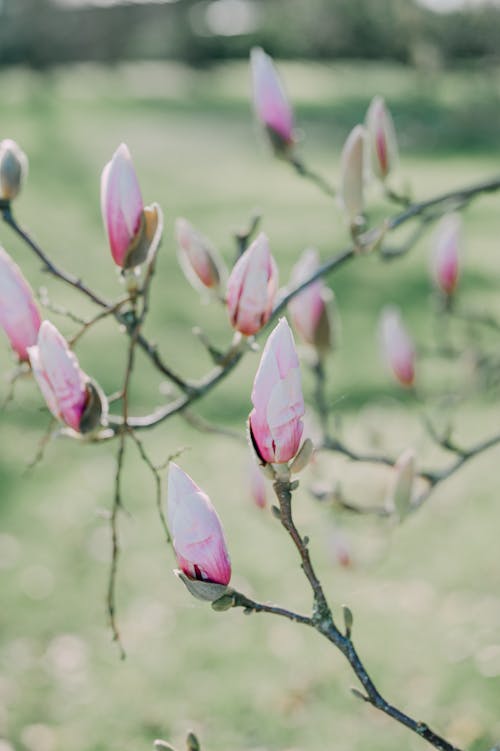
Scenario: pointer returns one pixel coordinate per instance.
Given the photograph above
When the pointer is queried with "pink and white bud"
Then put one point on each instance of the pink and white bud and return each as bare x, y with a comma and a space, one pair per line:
65, 387
341, 549
198, 260
309, 309
445, 260
401, 492
278, 405
252, 287
270, 101
13, 169
133, 229
19, 316
196, 530
351, 167
258, 490
381, 138
397, 346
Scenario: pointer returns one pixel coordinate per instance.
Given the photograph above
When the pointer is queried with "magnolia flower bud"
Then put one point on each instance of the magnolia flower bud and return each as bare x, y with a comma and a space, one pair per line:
381, 138
134, 231
446, 253
270, 101
257, 484
251, 287
401, 492
397, 346
13, 169
309, 309
19, 316
196, 530
198, 260
275, 422
68, 391
352, 162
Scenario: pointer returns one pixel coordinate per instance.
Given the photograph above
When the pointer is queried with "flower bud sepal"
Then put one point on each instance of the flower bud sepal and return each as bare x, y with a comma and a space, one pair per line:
203, 590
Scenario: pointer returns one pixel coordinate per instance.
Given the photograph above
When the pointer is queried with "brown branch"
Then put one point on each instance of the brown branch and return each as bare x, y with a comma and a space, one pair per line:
322, 620
50, 267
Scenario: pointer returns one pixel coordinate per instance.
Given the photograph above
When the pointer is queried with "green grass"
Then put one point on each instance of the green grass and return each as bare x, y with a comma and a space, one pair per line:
424, 595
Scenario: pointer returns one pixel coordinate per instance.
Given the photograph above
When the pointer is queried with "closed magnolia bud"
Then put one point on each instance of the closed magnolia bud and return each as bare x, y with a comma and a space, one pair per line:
13, 169
275, 422
397, 347
67, 390
134, 231
257, 484
309, 310
198, 260
196, 531
270, 101
352, 166
381, 138
401, 493
251, 287
19, 316
445, 259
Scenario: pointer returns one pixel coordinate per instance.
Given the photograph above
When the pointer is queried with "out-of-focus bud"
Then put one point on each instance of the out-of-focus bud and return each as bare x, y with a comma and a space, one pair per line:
445, 260
309, 309
198, 259
258, 489
251, 287
68, 391
352, 164
196, 530
19, 316
382, 138
341, 549
397, 346
401, 492
270, 101
278, 405
13, 169
134, 231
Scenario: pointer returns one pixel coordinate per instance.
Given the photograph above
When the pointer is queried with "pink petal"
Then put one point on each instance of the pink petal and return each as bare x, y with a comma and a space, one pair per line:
196, 530
121, 203
275, 421
270, 100
251, 288
62, 373
19, 316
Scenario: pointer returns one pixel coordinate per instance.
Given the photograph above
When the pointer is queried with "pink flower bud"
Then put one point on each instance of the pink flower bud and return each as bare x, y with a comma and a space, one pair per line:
446, 253
196, 530
397, 346
63, 384
197, 258
352, 164
13, 169
19, 316
133, 230
270, 101
275, 421
401, 492
382, 138
251, 287
309, 309
257, 484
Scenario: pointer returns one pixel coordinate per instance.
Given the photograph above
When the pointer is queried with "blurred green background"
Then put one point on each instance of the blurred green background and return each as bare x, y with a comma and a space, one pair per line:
424, 594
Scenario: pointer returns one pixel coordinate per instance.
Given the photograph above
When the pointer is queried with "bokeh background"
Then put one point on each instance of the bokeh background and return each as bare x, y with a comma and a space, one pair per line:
171, 80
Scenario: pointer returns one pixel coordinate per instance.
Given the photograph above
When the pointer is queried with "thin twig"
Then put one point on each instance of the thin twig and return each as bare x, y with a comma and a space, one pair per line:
323, 622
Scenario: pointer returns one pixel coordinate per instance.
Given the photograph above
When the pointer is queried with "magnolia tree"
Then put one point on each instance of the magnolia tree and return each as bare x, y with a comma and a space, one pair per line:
256, 310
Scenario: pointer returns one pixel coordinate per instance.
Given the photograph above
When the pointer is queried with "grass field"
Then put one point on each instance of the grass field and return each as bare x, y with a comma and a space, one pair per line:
424, 594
